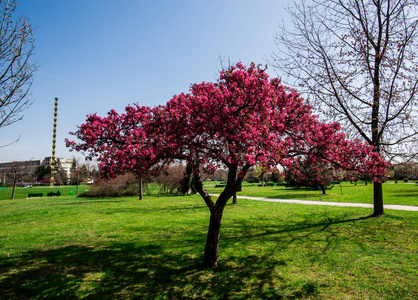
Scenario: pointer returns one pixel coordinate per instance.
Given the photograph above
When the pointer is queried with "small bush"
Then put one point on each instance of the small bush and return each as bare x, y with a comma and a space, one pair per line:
253, 179
170, 178
405, 170
123, 185
405, 179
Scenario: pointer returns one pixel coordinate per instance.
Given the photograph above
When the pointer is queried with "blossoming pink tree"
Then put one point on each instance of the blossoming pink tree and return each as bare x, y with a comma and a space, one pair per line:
118, 142
314, 176
244, 119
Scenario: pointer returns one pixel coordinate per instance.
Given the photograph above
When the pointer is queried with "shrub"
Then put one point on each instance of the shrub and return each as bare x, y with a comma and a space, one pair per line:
405, 170
122, 185
170, 178
253, 179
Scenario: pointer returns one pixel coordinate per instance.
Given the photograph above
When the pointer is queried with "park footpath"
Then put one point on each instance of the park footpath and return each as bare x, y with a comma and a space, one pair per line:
344, 204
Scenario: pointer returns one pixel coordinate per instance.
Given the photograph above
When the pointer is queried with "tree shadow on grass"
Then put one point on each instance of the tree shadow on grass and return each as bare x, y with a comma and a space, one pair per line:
127, 270
319, 227
412, 194
140, 272
115, 271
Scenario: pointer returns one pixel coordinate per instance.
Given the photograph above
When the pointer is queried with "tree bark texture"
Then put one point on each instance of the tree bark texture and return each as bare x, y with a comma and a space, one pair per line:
140, 188
214, 232
216, 210
378, 199
212, 240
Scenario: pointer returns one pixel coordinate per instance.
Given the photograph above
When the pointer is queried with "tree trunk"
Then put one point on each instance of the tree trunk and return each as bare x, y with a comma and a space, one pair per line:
376, 135
140, 188
216, 210
378, 199
14, 184
234, 199
13, 191
212, 239
323, 189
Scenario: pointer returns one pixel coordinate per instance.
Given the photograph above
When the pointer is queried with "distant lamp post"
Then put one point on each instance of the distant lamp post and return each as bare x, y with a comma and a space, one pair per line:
54, 135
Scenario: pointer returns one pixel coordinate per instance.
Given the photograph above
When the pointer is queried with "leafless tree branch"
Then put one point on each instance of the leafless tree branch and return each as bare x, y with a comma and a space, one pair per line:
16, 69
356, 60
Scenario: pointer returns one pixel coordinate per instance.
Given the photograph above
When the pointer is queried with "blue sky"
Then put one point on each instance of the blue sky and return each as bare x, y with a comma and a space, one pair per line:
101, 55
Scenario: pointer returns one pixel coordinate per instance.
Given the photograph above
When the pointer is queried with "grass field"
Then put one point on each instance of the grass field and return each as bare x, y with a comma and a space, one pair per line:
400, 193
22, 193
69, 247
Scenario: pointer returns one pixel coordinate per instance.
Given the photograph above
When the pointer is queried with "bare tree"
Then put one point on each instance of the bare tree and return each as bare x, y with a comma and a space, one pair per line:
170, 177
16, 69
79, 173
406, 171
16, 172
356, 60
220, 175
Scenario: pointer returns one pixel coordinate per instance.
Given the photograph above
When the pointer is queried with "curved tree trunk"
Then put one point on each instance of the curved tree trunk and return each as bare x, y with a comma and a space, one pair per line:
212, 239
216, 210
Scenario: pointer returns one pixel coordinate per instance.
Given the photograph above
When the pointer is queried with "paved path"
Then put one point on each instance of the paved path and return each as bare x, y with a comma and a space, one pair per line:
386, 206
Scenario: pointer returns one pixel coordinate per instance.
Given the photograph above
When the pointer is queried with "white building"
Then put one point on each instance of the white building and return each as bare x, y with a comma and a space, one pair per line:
65, 163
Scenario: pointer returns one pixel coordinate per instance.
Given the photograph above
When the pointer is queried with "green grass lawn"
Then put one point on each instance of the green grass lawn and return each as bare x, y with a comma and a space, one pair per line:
22, 193
400, 193
68, 247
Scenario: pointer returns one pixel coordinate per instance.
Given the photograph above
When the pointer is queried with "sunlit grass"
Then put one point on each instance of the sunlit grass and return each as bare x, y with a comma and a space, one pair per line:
400, 193
70, 247
22, 193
